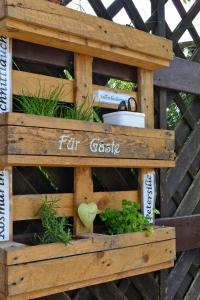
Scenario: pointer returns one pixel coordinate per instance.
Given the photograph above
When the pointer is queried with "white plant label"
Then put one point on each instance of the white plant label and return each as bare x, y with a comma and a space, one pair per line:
110, 97
4, 206
149, 195
5, 106
5, 74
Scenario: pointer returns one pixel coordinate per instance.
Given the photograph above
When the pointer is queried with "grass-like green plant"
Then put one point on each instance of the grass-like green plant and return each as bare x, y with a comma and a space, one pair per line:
46, 103
43, 103
129, 219
85, 112
55, 229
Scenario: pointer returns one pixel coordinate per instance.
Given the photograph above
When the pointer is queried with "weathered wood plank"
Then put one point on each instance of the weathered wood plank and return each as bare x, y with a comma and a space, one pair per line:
98, 31
43, 141
46, 83
67, 270
147, 286
58, 161
83, 183
56, 123
2, 278
187, 231
176, 76
18, 254
145, 96
179, 272
107, 291
186, 156
194, 289
25, 207
81, 284
190, 199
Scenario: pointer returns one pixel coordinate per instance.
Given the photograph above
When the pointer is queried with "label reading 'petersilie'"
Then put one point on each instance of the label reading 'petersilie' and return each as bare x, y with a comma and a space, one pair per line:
149, 195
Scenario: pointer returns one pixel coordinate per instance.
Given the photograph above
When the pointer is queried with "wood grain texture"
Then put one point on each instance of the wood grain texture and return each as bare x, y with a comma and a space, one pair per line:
176, 76
56, 161
19, 119
25, 207
19, 254
3, 278
145, 96
83, 183
81, 284
54, 21
91, 27
187, 231
51, 142
67, 270
48, 83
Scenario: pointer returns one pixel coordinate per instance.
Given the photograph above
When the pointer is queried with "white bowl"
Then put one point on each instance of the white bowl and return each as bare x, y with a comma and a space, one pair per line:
125, 118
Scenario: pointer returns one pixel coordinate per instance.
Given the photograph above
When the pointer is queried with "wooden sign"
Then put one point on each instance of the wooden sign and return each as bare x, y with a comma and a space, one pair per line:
5, 74
5, 106
4, 206
28, 140
148, 195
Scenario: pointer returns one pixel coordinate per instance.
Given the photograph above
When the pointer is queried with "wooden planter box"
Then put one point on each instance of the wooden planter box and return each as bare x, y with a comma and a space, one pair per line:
37, 140
90, 260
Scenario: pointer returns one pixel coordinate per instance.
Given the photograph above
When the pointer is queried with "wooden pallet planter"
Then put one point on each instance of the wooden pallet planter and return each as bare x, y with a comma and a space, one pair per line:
31, 140
84, 262
28, 272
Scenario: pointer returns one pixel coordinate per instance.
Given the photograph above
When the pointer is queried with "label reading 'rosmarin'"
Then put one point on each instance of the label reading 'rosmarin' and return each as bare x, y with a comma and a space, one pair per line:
4, 205
5, 74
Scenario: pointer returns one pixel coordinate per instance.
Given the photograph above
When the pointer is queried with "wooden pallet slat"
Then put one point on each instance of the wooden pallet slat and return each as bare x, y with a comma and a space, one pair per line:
25, 207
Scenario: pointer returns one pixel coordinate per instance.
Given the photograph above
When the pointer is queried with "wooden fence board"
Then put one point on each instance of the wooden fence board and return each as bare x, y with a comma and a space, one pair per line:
191, 198
179, 272
147, 286
187, 154
187, 231
194, 290
176, 76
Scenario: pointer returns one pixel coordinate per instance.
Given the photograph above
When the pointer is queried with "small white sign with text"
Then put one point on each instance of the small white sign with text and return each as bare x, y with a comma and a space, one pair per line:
110, 97
5, 74
149, 195
4, 206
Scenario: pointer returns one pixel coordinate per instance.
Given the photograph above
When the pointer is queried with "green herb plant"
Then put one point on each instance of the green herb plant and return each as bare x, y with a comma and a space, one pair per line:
84, 112
129, 219
46, 103
42, 103
55, 229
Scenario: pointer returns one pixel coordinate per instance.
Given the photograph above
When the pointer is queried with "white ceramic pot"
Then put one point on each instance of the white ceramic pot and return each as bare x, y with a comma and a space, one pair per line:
125, 118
